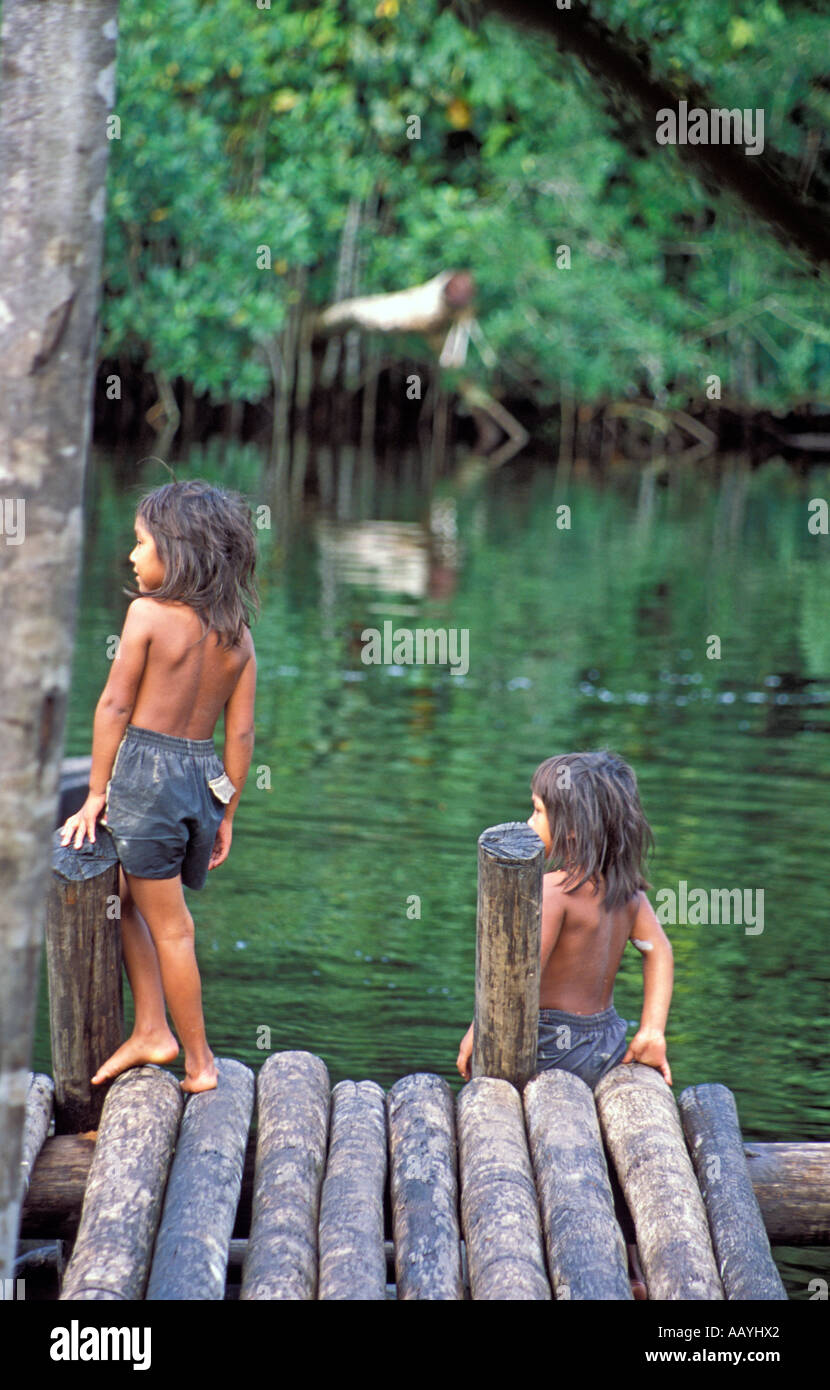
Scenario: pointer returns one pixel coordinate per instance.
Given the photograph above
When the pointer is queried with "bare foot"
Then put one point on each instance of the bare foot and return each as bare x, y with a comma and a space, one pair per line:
205, 1079
636, 1278
138, 1049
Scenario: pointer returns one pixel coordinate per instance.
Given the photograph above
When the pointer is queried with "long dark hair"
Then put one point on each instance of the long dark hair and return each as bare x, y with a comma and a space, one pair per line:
205, 539
596, 822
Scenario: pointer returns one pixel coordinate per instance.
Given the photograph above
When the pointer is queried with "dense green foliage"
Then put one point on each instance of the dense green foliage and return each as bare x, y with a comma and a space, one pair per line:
244, 127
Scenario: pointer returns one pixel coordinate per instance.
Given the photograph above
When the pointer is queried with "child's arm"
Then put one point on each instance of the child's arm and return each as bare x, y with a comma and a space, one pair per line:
553, 915
112, 715
649, 1042
237, 750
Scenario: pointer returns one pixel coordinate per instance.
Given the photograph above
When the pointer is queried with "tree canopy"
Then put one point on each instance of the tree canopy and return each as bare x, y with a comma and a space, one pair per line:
605, 268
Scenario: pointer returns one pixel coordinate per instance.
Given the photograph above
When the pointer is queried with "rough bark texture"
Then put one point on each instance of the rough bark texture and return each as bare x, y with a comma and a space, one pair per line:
293, 1097
352, 1257
424, 1189
122, 1205
56, 88
52, 1209
586, 1252
713, 1136
510, 867
792, 1184
191, 1252
86, 1011
639, 1120
767, 184
39, 1102
499, 1211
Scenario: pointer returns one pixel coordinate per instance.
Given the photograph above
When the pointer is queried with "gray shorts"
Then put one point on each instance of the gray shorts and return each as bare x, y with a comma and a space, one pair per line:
165, 800
587, 1044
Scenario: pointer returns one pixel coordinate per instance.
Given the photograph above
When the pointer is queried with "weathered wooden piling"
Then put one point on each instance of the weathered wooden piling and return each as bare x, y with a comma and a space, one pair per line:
83, 956
122, 1204
499, 1209
586, 1252
293, 1095
639, 1120
510, 868
191, 1250
713, 1136
40, 1099
424, 1189
352, 1254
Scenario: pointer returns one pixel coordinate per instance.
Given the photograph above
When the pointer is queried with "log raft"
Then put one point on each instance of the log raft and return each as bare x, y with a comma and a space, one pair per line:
172, 1198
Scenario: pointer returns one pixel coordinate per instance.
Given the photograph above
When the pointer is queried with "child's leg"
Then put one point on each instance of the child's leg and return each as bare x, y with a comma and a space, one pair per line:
151, 1039
162, 905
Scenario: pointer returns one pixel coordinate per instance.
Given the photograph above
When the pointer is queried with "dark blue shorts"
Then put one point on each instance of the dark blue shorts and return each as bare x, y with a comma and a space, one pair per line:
587, 1044
165, 800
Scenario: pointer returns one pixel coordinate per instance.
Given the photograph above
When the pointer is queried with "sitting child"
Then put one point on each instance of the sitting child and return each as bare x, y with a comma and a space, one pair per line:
587, 812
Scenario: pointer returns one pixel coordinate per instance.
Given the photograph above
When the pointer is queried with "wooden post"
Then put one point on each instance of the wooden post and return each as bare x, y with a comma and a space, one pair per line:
499, 1211
586, 1252
293, 1100
122, 1204
510, 866
83, 956
191, 1251
713, 1134
352, 1257
641, 1126
424, 1189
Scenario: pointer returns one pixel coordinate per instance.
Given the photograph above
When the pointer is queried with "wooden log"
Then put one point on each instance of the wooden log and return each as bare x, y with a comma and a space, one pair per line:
83, 956
39, 1102
422, 308
639, 1120
191, 1250
587, 1257
499, 1210
292, 1131
122, 1204
352, 1258
792, 1184
506, 1026
713, 1136
424, 1188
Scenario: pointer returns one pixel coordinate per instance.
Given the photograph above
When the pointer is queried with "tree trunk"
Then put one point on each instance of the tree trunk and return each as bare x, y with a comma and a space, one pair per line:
58, 71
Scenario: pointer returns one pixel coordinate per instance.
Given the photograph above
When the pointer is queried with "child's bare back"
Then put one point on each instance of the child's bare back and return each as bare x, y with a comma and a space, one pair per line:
583, 943
187, 679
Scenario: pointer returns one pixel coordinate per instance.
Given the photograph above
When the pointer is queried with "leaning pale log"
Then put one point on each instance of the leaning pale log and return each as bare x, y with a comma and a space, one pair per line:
713, 1136
191, 1252
421, 309
792, 1184
424, 1189
83, 955
352, 1256
639, 1120
122, 1205
586, 1252
293, 1097
39, 1101
499, 1211
510, 864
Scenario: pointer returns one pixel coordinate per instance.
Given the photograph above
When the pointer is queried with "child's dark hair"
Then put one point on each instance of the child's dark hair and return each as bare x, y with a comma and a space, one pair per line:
596, 822
205, 538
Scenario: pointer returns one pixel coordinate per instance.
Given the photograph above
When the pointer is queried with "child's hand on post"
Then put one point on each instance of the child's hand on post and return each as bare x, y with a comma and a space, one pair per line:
222, 844
82, 824
465, 1053
649, 1047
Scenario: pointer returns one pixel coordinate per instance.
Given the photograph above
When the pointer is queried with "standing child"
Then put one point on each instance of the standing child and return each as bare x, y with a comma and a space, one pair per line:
185, 655
587, 812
